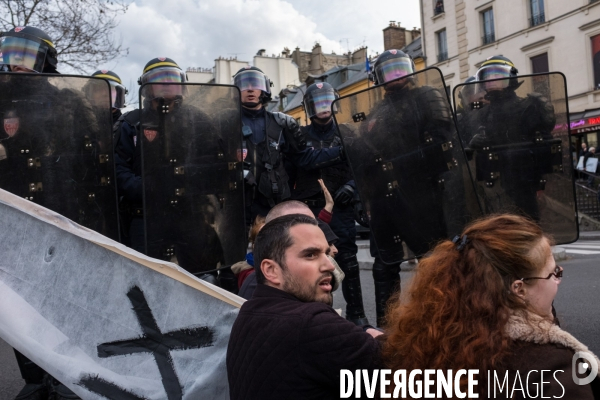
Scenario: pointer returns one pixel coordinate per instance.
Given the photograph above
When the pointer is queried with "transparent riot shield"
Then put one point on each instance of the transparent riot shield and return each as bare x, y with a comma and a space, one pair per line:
193, 182
56, 146
516, 136
411, 173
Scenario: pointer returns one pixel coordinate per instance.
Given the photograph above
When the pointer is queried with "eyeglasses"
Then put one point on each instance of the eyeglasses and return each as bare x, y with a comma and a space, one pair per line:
558, 273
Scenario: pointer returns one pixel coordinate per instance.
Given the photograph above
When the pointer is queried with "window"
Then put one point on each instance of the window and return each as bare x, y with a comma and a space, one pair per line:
442, 45
539, 64
596, 60
537, 13
438, 7
284, 102
487, 17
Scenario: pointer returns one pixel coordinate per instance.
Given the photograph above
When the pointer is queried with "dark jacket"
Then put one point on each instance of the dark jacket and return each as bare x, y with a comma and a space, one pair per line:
335, 176
267, 137
283, 348
541, 346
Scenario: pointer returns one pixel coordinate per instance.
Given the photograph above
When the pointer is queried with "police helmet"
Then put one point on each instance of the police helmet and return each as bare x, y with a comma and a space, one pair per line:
252, 78
497, 67
162, 70
28, 48
117, 90
319, 98
392, 64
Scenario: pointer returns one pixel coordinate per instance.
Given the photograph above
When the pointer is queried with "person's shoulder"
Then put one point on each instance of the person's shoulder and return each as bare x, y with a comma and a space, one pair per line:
284, 120
526, 354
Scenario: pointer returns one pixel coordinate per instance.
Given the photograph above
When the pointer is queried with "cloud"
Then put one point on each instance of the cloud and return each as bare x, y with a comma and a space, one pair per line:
195, 32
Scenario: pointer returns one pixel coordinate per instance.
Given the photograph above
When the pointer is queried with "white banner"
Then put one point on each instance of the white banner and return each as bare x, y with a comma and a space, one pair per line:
104, 320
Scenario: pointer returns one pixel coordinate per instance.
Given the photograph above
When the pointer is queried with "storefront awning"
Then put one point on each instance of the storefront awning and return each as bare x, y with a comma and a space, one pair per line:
587, 121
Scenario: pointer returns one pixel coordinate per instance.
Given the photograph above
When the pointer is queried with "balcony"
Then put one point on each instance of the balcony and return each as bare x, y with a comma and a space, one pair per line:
538, 19
442, 56
489, 38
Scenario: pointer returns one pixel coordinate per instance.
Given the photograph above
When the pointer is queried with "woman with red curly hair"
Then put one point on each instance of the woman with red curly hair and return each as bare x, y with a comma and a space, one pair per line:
484, 301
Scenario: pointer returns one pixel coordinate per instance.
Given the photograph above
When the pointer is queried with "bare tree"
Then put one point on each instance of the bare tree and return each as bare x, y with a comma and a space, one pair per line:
82, 30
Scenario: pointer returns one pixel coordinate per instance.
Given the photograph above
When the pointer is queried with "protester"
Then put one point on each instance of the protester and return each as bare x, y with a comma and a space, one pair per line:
484, 301
244, 268
287, 342
248, 284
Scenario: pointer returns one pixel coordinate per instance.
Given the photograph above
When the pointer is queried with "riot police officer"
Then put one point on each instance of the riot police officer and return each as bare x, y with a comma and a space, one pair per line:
128, 159
168, 131
511, 138
117, 91
322, 134
268, 136
30, 50
413, 123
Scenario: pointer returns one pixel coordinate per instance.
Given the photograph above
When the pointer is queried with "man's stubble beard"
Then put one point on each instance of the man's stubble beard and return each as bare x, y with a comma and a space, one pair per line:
305, 293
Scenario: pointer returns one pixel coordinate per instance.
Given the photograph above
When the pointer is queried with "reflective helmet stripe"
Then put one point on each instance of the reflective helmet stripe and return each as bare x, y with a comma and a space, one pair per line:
497, 61
108, 77
160, 64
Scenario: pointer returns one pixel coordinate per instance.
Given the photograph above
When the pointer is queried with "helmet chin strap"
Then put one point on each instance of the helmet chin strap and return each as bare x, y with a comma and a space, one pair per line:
322, 121
250, 105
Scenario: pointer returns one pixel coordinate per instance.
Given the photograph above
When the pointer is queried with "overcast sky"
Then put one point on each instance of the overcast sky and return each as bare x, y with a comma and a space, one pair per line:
195, 32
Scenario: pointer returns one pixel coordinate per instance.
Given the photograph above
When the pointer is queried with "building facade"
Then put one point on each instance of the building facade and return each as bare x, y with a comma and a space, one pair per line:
537, 35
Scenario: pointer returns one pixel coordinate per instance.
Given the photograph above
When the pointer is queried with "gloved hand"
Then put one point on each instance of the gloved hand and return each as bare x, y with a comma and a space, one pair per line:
360, 215
344, 195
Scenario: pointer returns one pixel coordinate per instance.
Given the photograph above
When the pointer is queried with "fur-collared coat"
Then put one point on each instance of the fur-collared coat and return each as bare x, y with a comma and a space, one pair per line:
540, 345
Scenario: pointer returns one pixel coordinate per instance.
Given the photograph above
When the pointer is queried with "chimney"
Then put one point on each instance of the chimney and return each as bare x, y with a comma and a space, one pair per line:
394, 36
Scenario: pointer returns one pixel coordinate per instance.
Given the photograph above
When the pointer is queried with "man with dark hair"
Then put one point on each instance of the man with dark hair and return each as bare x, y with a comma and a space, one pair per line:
287, 341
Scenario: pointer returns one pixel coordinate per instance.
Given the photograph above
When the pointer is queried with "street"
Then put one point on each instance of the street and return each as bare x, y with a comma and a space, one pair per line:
577, 306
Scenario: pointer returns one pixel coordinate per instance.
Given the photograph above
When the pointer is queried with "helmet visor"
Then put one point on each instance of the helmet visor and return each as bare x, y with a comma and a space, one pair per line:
117, 94
494, 72
393, 69
318, 102
251, 80
164, 75
22, 52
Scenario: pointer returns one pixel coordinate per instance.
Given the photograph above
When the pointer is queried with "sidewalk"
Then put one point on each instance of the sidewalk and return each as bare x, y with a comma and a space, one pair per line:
589, 235
365, 261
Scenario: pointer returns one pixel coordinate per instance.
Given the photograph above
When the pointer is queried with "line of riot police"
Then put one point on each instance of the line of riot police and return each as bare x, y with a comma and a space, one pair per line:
182, 177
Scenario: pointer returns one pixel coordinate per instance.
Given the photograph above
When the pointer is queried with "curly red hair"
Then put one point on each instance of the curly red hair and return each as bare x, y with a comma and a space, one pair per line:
459, 302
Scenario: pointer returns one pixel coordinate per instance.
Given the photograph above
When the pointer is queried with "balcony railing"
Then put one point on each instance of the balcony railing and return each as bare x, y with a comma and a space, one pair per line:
489, 38
442, 56
438, 9
538, 19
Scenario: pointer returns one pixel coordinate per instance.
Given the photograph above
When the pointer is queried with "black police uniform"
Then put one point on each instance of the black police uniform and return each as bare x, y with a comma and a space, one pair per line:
194, 242
519, 131
268, 137
419, 121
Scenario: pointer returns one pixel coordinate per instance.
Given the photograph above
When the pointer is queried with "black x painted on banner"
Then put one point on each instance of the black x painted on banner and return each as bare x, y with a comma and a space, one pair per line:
158, 343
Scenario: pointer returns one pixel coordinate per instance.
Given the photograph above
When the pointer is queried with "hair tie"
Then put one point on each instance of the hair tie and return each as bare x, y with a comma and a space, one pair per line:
460, 242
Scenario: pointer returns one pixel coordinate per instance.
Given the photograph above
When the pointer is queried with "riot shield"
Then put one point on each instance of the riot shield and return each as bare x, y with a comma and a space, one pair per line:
516, 137
193, 182
409, 167
56, 146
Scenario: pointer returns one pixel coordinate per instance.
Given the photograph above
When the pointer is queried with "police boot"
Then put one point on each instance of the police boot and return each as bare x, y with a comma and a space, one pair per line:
351, 289
35, 388
387, 283
58, 391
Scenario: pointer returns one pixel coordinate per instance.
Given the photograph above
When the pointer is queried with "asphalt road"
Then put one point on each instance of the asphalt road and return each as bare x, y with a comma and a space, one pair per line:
577, 305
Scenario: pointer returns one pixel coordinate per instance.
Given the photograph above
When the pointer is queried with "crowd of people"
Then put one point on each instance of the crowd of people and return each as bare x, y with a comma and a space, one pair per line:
481, 301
